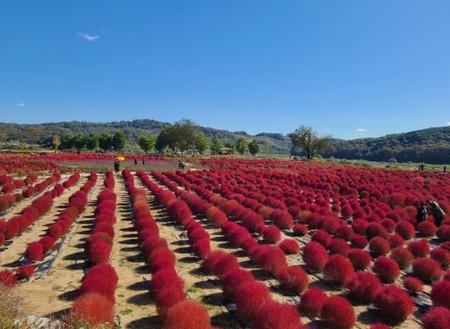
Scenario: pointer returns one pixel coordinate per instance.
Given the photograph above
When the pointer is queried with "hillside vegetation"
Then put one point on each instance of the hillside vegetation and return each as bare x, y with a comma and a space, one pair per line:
430, 145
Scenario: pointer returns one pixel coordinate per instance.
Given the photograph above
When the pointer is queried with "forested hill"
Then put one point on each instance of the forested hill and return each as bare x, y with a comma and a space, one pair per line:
430, 145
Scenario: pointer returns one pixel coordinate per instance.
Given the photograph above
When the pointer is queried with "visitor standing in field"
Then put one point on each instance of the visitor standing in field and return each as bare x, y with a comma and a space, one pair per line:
421, 213
437, 212
116, 166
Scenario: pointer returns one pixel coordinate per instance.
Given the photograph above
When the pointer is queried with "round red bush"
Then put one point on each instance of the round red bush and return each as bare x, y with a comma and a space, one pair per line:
338, 313
427, 269
271, 234
322, 237
440, 291
224, 265
7, 278
337, 269
379, 246
412, 285
426, 228
338, 246
402, 256
34, 252
274, 315
25, 271
312, 300
187, 315
443, 232
300, 229
393, 303
437, 317
405, 229
272, 259
233, 279
419, 248
395, 241
99, 252
202, 248
360, 259
95, 309
386, 269
314, 256
168, 297
54, 231
293, 279
358, 241
290, 246
209, 263
441, 255
376, 229
249, 298
162, 279
362, 286
343, 232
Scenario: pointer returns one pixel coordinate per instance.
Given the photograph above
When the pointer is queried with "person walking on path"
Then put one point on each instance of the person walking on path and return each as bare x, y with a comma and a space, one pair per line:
116, 166
437, 212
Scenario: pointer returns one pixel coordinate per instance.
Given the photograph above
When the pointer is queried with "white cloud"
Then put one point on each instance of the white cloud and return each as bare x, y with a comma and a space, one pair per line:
361, 130
88, 37
448, 123
21, 104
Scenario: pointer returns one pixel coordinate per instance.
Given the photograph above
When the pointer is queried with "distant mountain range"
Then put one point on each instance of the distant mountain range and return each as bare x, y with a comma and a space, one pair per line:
430, 145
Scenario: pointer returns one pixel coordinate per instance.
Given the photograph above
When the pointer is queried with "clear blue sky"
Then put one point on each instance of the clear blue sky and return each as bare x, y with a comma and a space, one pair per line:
349, 68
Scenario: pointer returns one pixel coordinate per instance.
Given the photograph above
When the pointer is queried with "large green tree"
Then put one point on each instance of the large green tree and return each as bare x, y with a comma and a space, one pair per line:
308, 140
253, 147
119, 141
181, 136
241, 145
105, 141
146, 143
91, 141
216, 145
201, 144
68, 141
79, 142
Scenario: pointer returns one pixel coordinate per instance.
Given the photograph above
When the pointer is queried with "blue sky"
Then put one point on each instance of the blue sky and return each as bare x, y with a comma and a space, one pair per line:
347, 68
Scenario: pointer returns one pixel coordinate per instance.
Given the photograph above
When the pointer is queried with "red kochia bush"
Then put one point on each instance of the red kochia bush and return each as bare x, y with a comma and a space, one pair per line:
290, 246
419, 248
187, 315
54, 231
395, 241
405, 229
249, 298
360, 259
321, 237
386, 269
164, 278
358, 241
379, 325
314, 256
427, 269
443, 232
379, 246
426, 228
293, 278
362, 286
440, 292
312, 300
436, 318
7, 278
412, 285
99, 252
338, 246
376, 229
402, 256
25, 271
275, 315
95, 309
225, 264
300, 229
168, 297
209, 263
393, 303
337, 269
272, 259
338, 313
201, 248
233, 279
271, 234
441, 255
343, 232
34, 252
